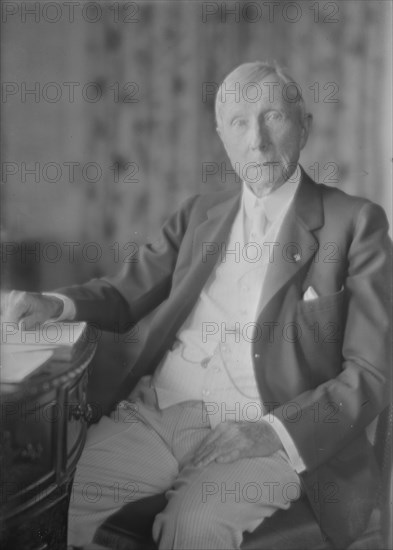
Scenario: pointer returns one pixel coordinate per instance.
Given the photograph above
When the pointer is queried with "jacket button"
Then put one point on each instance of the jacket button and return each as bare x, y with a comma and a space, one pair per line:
257, 356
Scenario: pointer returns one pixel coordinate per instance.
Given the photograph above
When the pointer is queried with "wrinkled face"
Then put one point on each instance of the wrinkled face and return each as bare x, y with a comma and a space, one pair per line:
263, 138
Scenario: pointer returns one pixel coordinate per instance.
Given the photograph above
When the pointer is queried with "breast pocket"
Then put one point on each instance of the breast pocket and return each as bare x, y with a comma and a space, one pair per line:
329, 301
323, 323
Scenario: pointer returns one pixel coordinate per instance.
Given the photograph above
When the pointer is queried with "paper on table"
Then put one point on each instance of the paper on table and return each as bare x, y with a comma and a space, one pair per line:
23, 351
16, 366
47, 336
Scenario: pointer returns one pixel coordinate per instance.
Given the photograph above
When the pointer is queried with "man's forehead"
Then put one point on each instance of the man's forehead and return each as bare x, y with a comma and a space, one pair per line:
247, 94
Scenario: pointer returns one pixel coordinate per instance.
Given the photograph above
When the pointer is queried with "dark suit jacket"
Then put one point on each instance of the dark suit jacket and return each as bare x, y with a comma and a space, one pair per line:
322, 366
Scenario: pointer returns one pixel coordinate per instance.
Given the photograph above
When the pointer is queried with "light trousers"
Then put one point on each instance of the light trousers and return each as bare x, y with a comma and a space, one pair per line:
141, 450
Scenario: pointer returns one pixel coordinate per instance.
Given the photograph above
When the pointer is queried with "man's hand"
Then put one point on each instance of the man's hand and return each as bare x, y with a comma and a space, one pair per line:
27, 309
233, 440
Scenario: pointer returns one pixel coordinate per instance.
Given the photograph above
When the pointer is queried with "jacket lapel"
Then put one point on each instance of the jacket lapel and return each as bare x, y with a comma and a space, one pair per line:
296, 241
213, 232
209, 236
206, 250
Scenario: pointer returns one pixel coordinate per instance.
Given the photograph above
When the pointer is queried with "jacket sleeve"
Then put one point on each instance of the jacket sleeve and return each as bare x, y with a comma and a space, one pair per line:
117, 303
361, 390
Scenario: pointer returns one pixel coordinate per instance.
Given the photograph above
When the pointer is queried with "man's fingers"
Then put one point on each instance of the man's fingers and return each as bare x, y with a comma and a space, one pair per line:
221, 445
222, 451
233, 455
209, 456
206, 446
29, 322
207, 451
15, 309
28, 309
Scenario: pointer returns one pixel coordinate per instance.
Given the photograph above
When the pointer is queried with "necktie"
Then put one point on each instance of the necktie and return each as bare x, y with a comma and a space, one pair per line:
259, 223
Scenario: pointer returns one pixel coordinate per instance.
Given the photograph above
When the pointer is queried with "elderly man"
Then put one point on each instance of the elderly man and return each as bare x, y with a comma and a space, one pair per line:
268, 355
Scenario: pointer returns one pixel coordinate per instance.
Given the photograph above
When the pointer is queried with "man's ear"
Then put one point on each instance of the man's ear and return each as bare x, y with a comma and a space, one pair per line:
306, 128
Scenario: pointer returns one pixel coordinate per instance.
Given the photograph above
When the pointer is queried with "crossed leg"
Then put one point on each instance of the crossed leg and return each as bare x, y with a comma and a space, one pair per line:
211, 507
139, 451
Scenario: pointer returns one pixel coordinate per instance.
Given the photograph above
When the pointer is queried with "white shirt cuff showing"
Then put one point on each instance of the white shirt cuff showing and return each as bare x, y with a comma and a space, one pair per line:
69, 309
287, 442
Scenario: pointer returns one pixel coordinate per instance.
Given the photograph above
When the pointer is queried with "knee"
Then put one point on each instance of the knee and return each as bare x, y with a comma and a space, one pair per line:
186, 516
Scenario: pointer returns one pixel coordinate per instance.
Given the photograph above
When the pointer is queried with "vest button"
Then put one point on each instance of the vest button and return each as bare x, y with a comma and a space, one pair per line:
257, 356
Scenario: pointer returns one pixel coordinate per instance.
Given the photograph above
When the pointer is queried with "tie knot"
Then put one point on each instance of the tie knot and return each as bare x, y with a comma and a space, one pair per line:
261, 206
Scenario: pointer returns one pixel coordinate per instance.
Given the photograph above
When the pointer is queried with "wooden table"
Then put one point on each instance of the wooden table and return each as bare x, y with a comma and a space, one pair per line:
43, 429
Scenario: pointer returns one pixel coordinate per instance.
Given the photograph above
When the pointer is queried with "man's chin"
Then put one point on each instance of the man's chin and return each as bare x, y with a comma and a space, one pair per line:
261, 188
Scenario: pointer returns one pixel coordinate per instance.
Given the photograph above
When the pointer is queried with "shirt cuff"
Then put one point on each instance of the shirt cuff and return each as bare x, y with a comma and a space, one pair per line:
69, 309
289, 446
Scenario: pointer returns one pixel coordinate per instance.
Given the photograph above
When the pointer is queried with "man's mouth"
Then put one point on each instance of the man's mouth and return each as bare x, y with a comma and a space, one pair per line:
265, 163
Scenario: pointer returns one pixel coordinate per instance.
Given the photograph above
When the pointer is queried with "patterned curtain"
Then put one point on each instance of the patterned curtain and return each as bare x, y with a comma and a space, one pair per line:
153, 132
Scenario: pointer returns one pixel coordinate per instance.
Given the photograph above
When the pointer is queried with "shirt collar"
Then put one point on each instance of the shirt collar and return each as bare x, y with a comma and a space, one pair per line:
274, 203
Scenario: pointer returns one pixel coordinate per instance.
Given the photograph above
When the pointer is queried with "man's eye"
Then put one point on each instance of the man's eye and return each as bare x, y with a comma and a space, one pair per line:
238, 122
274, 116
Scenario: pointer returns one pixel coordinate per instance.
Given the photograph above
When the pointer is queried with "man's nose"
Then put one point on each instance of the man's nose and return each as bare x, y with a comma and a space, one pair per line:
260, 138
